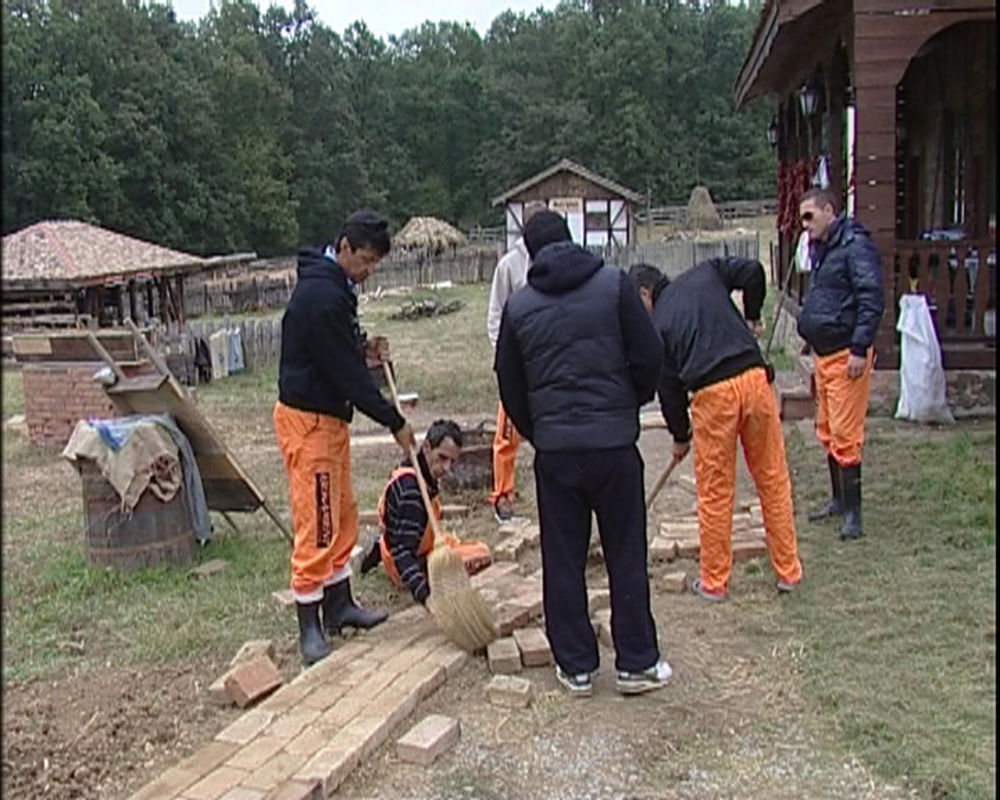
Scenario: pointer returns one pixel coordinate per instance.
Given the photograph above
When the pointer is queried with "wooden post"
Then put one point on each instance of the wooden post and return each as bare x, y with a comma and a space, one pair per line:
150, 309
179, 295
161, 291
133, 305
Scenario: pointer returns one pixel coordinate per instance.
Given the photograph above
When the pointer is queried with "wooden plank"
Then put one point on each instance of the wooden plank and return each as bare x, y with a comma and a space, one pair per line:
884, 73
877, 120
882, 170
875, 144
916, 27
875, 97
140, 383
232, 494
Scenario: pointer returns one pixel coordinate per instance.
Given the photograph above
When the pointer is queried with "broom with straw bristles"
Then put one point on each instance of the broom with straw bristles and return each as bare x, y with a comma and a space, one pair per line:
456, 606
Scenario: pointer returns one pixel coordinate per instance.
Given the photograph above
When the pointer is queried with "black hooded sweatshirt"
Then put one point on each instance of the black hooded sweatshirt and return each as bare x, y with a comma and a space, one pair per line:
577, 354
322, 367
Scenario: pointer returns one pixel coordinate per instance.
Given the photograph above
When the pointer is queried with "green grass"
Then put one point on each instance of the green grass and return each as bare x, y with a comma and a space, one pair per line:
13, 397
900, 627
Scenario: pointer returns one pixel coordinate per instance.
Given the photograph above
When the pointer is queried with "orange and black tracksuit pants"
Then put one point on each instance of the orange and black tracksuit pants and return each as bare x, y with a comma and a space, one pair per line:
316, 449
841, 406
505, 443
741, 409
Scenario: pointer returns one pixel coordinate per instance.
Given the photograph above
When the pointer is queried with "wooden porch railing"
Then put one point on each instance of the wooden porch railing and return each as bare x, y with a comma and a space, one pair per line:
959, 280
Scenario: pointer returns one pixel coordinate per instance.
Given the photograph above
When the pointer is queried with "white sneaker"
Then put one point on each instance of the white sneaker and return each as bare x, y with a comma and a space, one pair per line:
578, 685
655, 677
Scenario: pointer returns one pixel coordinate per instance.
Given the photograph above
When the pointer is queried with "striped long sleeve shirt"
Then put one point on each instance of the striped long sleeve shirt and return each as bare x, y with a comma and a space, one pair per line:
405, 523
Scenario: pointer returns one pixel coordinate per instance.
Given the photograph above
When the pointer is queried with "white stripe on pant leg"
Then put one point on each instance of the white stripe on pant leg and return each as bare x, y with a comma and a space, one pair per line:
308, 597
339, 575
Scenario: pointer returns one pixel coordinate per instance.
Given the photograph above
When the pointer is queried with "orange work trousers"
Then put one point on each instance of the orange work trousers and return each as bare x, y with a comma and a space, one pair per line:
316, 449
742, 408
505, 444
841, 406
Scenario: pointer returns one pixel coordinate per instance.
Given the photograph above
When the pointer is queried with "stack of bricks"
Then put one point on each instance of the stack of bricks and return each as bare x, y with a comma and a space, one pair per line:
57, 396
678, 536
321, 725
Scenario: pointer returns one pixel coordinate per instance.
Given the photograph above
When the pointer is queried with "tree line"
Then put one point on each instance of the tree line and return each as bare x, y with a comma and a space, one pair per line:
251, 130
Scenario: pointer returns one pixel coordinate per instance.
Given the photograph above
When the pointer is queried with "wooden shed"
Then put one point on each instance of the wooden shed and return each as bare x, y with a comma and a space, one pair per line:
899, 96
599, 211
62, 273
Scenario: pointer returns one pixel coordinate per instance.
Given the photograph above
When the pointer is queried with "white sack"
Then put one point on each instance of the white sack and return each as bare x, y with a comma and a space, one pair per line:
921, 374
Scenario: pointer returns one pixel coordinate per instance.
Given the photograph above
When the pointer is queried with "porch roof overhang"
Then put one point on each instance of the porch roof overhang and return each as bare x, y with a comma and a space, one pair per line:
783, 51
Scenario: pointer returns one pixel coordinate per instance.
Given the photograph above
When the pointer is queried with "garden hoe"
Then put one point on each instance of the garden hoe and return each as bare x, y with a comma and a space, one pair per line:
456, 606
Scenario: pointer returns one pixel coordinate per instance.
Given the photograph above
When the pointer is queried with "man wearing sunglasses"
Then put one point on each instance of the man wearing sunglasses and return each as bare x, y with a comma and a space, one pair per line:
838, 320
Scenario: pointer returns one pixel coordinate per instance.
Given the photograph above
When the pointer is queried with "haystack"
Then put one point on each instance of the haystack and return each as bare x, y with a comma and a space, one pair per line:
428, 233
701, 212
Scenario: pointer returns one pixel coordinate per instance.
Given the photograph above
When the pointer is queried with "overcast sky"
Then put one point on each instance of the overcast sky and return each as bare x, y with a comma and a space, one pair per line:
385, 17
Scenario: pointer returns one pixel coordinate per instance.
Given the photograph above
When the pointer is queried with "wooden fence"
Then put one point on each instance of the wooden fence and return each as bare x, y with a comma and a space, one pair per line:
730, 212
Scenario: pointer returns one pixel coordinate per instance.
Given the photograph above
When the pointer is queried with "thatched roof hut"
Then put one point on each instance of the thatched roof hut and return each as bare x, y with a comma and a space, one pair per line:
429, 233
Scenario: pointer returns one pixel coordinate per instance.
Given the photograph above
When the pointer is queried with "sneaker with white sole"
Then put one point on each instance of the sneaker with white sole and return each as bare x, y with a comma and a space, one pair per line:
578, 685
656, 677
787, 586
705, 594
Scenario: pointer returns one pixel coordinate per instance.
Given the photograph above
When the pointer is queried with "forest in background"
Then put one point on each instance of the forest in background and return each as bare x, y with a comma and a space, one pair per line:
251, 130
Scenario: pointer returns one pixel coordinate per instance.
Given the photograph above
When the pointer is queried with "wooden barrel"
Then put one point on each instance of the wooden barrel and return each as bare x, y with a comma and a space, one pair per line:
154, 533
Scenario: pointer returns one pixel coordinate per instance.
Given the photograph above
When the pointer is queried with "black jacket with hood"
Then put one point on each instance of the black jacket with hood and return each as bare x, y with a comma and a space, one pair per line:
705, 339
322, 367
577, 354
845, 300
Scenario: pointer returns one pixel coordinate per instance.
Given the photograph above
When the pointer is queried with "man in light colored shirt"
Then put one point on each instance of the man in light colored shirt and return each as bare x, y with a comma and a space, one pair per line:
510, 275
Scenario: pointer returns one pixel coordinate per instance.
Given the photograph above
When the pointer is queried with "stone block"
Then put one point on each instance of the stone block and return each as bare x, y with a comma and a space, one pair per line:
598, 599
294, 789
244, 728
209, 568
662, 549
311, 740
330, 766
215, 784
252, 680
323, 696
253, 649
255, 753
509, 690
344, 710
674, 582
689, 548
503, 656
744, 551
428, 739
366, 732
534, 647
510, 616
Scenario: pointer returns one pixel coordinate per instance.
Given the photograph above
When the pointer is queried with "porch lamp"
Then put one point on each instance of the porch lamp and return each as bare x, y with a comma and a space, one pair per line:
808, 99
772, 132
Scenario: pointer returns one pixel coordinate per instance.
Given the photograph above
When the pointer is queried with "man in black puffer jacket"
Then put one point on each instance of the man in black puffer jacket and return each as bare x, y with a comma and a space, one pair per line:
576, 357
838, 320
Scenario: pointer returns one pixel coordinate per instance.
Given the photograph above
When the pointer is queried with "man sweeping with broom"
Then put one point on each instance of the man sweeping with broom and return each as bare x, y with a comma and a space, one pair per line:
406, 534
576, 357
321, 378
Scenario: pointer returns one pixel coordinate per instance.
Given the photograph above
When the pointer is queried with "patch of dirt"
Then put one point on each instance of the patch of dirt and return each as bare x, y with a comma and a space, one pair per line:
100, 733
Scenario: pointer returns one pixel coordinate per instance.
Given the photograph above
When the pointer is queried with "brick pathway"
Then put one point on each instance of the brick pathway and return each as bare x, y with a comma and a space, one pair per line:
319, 727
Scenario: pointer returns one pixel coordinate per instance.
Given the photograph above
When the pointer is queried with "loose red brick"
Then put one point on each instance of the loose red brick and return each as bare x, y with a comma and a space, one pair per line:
253, 649
503, 656
428, 739
534, 647
252, 680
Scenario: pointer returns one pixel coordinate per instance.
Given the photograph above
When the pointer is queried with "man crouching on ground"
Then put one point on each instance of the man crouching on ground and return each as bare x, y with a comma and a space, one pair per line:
406, 533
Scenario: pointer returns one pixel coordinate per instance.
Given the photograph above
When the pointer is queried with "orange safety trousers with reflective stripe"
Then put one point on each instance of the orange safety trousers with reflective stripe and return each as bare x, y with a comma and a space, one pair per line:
505, 444
316, 449
741, 408
841, 406
475, 554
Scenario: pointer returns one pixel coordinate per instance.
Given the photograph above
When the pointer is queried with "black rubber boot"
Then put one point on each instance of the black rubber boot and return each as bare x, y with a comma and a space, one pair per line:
373, 559
312, 644
340, 611
852, 502
835, 506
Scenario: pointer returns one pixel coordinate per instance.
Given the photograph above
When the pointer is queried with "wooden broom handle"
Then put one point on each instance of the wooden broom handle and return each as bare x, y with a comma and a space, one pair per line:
661, 481
413, 457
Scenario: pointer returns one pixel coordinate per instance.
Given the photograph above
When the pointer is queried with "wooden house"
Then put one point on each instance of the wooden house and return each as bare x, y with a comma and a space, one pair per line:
899, 96
599, 211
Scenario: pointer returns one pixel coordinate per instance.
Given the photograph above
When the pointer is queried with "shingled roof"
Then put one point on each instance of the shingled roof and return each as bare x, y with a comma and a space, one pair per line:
67, 252
566, 165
